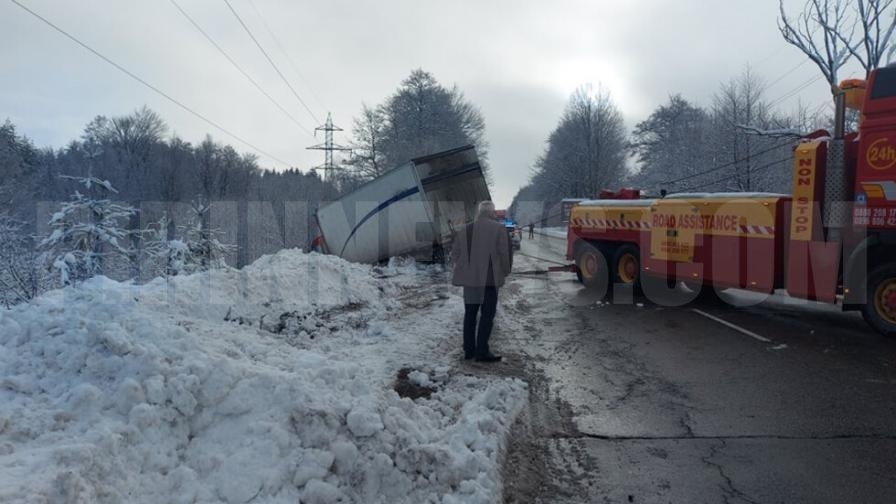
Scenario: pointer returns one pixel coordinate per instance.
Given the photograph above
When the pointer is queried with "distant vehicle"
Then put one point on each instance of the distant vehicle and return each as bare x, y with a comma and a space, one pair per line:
516, 238
411, 210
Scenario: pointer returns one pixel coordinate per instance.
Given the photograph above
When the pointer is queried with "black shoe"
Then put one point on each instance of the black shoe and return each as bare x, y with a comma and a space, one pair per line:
488, 358
468, 356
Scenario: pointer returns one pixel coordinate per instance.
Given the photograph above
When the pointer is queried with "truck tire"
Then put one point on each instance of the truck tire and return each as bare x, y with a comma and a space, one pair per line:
591, 267
879, 309
627, 266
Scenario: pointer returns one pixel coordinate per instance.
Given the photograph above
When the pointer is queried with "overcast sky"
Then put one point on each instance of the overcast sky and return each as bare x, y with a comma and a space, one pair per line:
517, 60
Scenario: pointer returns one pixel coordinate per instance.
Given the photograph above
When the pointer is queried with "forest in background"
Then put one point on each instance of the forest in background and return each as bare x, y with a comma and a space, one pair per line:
143, 197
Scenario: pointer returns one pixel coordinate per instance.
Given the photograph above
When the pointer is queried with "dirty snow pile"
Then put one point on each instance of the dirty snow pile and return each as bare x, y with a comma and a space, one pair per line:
187, 391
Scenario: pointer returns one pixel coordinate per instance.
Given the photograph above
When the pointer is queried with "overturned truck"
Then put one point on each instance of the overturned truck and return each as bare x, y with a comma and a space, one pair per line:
412, 210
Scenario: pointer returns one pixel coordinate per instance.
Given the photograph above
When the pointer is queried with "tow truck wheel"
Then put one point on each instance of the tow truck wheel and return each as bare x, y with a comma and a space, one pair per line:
879, 309
591, 266
628, 266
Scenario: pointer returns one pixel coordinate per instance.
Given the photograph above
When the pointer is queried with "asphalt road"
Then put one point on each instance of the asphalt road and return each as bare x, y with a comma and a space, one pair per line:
633, 401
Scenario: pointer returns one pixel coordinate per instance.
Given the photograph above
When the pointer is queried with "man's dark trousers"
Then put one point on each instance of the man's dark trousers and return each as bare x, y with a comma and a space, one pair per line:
476, 298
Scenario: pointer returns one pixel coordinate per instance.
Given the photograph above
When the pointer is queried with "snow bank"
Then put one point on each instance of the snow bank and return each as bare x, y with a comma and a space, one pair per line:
200, 390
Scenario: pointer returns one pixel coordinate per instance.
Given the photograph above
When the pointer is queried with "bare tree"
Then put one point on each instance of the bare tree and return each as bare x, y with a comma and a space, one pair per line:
136, 134
20, 275
820, 32
671, 143
877, 32
586, 152
424, 117
208, 173
743, 161
367, 143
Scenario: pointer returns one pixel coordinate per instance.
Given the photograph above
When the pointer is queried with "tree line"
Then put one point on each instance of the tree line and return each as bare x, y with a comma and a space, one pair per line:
130, 201
738, 143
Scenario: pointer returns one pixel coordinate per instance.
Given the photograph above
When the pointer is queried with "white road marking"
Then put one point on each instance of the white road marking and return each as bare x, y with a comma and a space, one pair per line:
732, 326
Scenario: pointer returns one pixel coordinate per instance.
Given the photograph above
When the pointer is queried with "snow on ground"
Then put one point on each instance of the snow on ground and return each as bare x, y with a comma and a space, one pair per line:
269, 384
553, 232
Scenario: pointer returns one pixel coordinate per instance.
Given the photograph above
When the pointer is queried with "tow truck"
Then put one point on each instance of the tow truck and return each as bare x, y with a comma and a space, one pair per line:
832, 239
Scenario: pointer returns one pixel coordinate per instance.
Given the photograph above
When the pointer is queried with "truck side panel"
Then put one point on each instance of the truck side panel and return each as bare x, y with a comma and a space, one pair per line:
383, 218
408, 211
723, 242
727, 240
608, 221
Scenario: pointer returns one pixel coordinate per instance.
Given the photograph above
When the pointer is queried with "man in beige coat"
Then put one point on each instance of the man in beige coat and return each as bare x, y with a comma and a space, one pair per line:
482, 257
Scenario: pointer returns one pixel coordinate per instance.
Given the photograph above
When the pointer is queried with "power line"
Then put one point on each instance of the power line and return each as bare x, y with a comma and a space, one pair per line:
794, 69
286, 54
793, 92
780, 99
248, 31
787, 95
777, 50
821, 106
754, 170
147, 84
726, 165
235, 65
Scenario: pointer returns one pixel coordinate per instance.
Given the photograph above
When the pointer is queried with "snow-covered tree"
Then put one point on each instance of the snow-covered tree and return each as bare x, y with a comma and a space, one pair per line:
586, 152
17, 154
672, 143
424, 117
163, 256
198, 248
20, 275
368, 132
743, 160
136, 158
87, 231
205, 249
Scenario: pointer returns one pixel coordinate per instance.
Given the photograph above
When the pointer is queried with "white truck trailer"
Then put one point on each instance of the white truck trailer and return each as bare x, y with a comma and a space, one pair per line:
412, 210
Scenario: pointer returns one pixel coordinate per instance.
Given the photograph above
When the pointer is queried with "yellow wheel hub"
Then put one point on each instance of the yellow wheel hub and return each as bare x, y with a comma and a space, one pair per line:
588, 265
885, 300
627, 268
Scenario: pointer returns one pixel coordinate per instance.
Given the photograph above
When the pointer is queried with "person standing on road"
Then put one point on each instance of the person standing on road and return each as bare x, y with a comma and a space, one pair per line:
482, 257
531, 231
